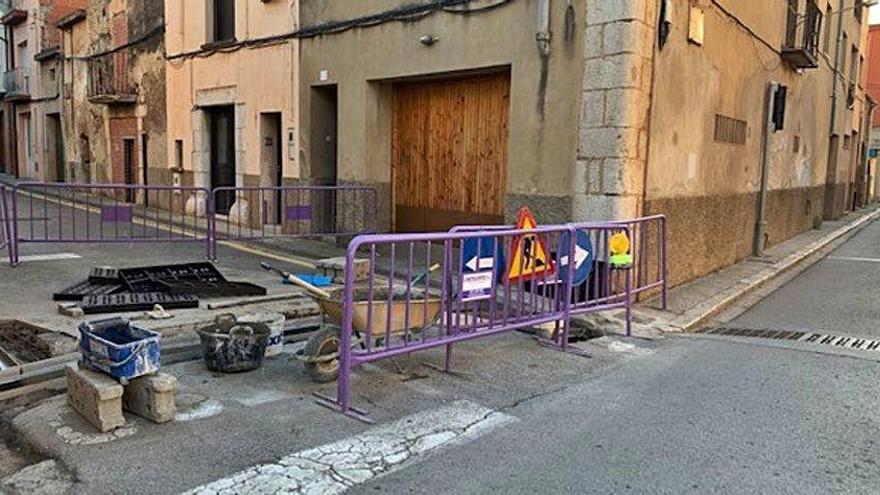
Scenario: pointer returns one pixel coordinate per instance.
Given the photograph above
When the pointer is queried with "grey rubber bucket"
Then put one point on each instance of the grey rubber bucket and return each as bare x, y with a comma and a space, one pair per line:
233, 347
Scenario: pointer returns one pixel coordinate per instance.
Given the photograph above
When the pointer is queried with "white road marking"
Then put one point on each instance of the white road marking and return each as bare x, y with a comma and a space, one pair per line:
44, 257
258, 398
204, 410
851, 258
627, 348
336, 467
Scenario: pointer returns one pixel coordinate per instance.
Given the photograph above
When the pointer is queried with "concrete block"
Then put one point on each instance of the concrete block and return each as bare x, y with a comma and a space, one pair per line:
613, 142
622, 176
615, 71
70, 309
152, 397
600, 207
593, 109
625, 108
627, 37
335, 269
56, 344
96, 397
593, 47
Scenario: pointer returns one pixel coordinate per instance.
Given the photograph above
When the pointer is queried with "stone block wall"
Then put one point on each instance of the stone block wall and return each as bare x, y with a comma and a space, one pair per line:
613, 131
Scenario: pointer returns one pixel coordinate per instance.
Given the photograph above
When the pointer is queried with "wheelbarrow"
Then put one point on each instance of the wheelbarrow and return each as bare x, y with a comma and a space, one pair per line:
321, 353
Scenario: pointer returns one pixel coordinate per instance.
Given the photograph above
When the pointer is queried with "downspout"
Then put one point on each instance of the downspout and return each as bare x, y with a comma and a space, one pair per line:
543, 37
835, 85
769, 128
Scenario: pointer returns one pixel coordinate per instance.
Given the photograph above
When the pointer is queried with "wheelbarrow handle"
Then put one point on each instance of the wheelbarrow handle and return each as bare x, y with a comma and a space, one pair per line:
309, 287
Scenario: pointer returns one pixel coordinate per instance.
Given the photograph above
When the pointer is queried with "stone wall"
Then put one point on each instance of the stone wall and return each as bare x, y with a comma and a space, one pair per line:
613, 130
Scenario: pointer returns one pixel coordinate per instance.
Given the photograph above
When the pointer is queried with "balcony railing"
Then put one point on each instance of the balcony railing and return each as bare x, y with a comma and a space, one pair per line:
18, 84
13, 12
110, 79
802, 35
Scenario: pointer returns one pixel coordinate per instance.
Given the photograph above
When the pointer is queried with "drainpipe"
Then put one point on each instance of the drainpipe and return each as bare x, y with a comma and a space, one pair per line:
543, 26
835, 86
769, 129
543, 37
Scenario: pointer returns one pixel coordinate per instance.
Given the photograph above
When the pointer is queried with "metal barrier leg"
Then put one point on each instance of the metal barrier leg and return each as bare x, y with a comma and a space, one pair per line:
13, 236
447, 365
342, 402
629, 302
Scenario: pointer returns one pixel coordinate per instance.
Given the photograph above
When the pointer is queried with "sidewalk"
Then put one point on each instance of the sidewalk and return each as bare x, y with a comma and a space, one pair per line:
726, 293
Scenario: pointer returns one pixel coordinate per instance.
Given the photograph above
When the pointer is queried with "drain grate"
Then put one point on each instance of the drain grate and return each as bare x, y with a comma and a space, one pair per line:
809, 337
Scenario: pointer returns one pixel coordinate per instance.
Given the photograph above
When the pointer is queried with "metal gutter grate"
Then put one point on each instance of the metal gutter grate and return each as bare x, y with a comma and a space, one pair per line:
809, 337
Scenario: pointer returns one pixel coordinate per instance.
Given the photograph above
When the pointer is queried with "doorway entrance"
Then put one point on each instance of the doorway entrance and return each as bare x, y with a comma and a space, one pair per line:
222, 130
56, 147
325, 109
449, 152
271, 168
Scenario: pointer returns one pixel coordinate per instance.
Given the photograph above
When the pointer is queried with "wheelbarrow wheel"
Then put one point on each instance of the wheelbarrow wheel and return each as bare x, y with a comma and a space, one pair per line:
322, 355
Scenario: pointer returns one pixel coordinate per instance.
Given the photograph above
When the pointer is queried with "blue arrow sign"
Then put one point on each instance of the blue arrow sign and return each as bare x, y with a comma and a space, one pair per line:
477, 254
583, 258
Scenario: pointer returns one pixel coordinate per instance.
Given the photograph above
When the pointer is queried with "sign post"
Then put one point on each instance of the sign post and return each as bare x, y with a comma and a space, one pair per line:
583, 258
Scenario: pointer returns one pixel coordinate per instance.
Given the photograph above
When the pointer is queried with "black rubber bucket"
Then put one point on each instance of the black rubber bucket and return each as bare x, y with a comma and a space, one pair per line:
233, 347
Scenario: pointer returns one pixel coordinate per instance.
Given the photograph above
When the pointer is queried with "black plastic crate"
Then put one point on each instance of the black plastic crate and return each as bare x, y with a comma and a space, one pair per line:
215, 289
152, 279
104, 274
123, 303
78, 292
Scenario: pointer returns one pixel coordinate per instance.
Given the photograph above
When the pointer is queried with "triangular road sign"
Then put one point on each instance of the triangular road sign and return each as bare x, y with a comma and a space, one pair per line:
529, 258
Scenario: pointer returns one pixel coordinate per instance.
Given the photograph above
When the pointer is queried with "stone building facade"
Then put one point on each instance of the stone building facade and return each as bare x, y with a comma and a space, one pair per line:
114, 92
31, 127
622, 108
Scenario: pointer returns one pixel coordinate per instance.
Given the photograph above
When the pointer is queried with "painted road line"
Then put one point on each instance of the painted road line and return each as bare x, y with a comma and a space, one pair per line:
45, 257
184, 232
850, 258
336, 467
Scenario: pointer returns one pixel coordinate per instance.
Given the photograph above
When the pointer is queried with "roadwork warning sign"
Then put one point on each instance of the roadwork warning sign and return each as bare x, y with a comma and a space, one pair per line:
529, 258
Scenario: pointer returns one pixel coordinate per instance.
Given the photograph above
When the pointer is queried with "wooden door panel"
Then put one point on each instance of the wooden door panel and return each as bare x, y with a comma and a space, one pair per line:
449, 152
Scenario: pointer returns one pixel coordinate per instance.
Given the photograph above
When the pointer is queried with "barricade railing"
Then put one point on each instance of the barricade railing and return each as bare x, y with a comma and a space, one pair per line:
648, 240
253, 213
79, 213
472, 292
108, 213
5, 224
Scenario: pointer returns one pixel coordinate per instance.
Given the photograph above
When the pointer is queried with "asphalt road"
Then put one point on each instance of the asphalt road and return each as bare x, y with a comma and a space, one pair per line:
701, 415
687, 414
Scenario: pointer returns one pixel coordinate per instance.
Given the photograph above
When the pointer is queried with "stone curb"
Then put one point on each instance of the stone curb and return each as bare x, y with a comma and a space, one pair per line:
711, 307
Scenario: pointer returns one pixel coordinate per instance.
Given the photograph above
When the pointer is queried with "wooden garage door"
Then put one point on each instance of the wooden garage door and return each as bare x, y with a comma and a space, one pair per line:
450, 152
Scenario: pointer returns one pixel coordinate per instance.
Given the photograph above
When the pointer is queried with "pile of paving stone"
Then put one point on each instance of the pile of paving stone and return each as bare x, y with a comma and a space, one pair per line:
113, 290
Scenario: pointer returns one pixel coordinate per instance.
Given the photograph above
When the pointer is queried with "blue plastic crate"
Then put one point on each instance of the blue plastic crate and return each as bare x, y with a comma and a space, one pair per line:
120, 349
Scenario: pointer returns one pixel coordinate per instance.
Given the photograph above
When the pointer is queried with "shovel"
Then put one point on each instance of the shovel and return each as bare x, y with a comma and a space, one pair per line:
293, 279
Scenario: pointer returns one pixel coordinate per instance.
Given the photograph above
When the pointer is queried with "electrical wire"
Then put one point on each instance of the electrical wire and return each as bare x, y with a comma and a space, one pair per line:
156, 31
407, 13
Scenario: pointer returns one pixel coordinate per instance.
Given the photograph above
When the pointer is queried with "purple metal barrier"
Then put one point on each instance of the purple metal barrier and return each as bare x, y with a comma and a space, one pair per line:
108, 213
608, 287
250, 213
402, 307
5, 225
648, 239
